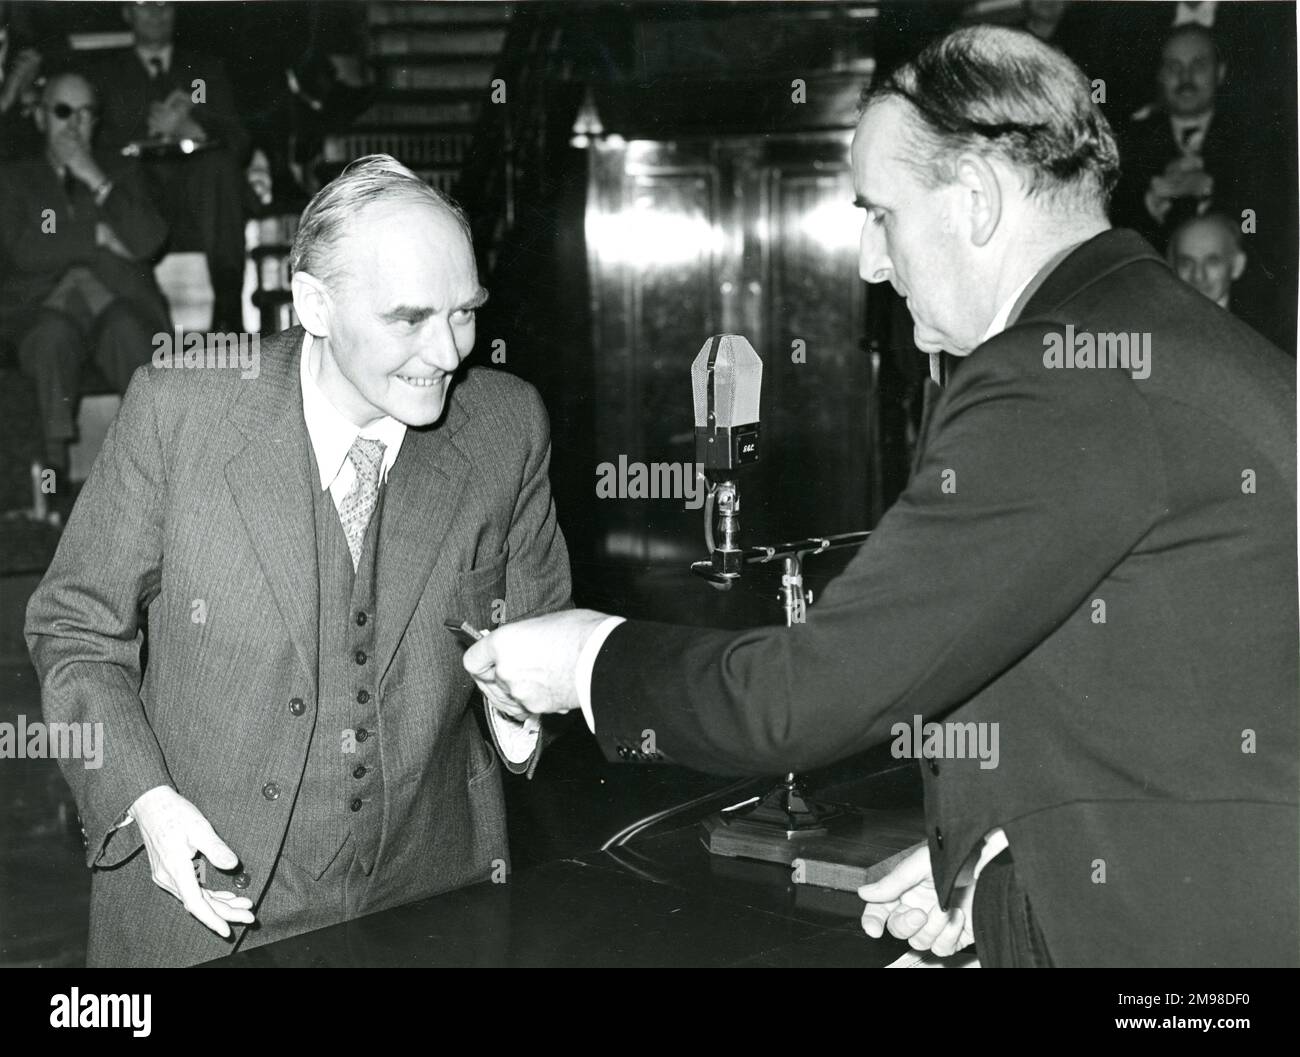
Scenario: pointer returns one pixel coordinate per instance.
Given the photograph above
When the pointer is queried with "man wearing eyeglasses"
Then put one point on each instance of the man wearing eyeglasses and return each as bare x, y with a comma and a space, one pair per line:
77, 237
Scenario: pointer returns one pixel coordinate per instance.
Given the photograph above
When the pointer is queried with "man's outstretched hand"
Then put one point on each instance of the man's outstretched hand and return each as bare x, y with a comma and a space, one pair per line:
527, 668
174, 831
905, 902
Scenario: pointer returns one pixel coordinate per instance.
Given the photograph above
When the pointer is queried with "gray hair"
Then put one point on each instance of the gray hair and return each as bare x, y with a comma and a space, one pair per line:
374, 178
1001, 92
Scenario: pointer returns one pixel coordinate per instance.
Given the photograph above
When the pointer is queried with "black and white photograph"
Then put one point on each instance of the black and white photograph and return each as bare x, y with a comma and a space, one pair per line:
650, 484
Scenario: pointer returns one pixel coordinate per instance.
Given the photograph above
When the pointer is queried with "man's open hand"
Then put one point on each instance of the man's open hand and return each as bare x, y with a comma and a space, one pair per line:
174, 831
905, 902
528, 667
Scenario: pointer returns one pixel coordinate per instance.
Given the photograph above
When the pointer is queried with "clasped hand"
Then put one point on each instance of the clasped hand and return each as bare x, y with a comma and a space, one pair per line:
905, 902
527, 668
171, 118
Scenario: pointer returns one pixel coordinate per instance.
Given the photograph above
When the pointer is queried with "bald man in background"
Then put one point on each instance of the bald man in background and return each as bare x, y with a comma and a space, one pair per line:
1207, 253
77, 239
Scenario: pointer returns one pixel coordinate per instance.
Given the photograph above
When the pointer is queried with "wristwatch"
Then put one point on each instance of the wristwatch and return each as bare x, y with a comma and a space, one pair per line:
101, 193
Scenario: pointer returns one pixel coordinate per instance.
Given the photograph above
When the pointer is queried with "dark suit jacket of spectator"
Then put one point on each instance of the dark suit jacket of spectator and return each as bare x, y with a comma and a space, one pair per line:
126, 90
34, 259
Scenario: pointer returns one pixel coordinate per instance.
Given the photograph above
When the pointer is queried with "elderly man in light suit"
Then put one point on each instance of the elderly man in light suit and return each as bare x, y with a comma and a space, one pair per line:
300, 746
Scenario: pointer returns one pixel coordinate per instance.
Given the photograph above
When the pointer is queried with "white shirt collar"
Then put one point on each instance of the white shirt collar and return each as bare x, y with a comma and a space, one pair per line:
999, 323
1203, 13
332, 433
164, 53
1200, 121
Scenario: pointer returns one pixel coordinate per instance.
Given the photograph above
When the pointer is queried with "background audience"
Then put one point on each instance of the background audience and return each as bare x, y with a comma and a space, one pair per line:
77, 238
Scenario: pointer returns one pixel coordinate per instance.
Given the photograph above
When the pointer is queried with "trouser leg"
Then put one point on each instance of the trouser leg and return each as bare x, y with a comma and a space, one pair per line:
1006, 934
50, 353
124, 341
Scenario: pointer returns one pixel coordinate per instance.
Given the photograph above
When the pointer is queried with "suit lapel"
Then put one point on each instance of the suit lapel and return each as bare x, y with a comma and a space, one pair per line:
421, 501
270, 480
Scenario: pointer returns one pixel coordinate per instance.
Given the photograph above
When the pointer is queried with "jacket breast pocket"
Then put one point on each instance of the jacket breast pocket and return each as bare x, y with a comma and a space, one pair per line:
481, 594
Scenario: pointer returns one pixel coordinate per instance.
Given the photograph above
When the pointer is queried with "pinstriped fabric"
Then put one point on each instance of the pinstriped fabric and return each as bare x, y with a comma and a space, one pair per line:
217, 472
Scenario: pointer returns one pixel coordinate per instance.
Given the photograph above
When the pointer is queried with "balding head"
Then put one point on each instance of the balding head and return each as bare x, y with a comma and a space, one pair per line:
55, 84
1206, 253
67, 108
377, 179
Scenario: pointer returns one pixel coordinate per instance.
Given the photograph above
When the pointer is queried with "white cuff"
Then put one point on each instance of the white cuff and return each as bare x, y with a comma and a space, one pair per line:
517, 738
587, 665
995, 842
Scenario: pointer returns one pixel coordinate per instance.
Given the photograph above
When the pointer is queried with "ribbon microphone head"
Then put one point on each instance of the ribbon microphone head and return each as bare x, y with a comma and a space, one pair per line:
726, 381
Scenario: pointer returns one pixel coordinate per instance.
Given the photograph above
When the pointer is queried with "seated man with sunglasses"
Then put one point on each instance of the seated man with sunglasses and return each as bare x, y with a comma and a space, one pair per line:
77, 240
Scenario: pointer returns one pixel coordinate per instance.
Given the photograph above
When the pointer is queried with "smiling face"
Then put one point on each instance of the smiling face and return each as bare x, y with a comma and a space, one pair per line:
399, 313
912, 237
1189, 75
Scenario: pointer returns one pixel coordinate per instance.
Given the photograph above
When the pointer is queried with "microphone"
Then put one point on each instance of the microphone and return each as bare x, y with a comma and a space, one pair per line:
726, 382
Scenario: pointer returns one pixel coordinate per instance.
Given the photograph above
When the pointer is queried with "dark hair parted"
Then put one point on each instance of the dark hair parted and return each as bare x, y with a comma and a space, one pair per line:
995, 91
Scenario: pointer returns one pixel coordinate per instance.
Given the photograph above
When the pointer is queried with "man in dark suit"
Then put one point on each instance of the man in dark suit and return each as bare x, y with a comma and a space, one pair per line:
1096, 553
294, 537
1194, 152
77, 238
1185, 155
162, 95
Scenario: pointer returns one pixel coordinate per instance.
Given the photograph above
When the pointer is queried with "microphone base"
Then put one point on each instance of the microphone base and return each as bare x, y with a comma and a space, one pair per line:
791, 815
786, 807
849, 840
775, 829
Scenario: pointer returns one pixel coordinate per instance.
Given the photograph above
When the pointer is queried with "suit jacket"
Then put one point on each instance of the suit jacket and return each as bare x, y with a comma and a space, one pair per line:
1102, 566
197, 521
125, 92
1252, 171
1232, 155
33, 258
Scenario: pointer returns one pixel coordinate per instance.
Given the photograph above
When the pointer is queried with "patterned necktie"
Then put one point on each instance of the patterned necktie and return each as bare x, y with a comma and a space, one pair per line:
366, 455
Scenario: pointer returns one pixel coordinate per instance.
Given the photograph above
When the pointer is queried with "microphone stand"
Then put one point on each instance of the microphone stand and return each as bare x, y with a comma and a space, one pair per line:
785, 812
